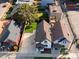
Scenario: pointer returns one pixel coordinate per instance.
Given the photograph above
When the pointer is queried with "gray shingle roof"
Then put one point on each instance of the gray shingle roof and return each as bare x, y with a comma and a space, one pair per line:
43, 32
14, 32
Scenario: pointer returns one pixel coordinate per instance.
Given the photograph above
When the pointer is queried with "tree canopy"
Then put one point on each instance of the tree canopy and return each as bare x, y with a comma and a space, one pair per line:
26, 13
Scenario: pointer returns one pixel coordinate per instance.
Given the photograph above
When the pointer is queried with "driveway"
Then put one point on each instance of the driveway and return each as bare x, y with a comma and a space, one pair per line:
28, 43
74, 20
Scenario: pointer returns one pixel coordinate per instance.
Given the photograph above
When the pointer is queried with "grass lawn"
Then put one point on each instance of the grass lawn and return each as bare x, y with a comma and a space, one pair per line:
43, 58
29, 29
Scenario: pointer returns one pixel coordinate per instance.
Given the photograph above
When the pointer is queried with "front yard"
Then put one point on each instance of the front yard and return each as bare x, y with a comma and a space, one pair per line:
30, 28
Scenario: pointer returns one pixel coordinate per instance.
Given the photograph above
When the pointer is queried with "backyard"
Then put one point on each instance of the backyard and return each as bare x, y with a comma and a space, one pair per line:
40, 16
30, 28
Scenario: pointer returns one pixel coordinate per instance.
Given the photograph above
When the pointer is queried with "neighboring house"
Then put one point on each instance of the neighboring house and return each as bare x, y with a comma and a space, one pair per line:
13, 33
3, 25
9, 34
4, 7
54, 12
61, 34
61, 31
30, 2
43, 37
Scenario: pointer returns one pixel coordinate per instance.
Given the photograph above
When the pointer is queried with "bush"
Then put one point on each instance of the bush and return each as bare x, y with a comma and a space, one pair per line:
63, 51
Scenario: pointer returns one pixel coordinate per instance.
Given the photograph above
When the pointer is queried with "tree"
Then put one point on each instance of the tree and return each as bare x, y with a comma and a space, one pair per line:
26, 13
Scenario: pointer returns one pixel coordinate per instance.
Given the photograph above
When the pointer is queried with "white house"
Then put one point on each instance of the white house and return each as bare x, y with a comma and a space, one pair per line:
45, 2
43, 38
30, 2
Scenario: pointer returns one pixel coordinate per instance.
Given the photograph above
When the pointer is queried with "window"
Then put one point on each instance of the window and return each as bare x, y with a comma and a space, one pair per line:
54, 10
45, 41
45, 45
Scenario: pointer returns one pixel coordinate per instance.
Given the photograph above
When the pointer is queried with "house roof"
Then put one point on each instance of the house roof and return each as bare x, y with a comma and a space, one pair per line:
4, 7
57, 31
43, 32
61, 30
3, 24
14, 32
55, 8
60, 27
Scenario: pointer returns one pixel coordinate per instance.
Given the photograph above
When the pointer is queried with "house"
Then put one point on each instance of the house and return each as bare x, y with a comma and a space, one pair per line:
43, 37
14, 33
4, 7
30, 2
11, 34
61, 31
55, 12
3, 25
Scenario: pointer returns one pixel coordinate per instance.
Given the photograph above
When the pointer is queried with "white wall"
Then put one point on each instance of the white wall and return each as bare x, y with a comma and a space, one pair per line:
47, 43
45, 2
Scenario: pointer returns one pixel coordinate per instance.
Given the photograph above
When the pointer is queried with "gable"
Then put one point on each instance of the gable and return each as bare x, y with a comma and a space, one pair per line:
62, 41
42, 32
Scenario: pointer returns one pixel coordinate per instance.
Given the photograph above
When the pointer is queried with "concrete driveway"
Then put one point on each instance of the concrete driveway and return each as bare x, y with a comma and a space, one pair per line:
74, 20
28, 43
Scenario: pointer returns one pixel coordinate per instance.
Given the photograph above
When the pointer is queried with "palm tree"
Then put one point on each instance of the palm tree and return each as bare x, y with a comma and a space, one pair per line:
26, 13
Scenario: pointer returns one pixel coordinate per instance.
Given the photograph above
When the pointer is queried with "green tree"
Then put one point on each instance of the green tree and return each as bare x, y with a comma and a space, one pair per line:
26, 13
